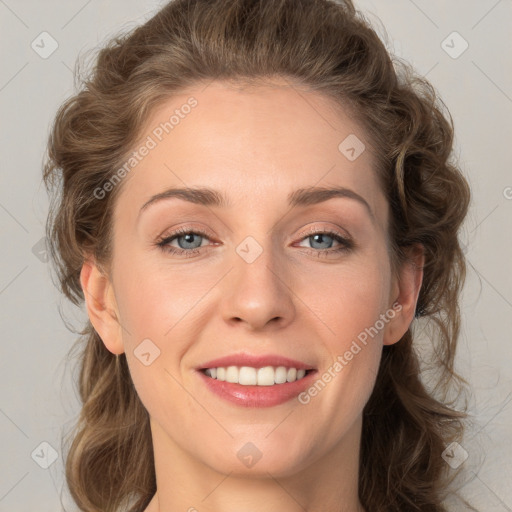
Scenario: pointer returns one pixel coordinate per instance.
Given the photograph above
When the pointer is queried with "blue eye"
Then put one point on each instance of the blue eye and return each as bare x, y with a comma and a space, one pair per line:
188, 246
320, 238
190, 242
323, 237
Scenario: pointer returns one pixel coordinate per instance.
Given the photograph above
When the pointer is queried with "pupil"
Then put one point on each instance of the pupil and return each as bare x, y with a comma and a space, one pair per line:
319, 238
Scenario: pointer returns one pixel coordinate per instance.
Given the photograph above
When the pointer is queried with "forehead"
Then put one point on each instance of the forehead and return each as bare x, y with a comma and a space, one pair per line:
255, 143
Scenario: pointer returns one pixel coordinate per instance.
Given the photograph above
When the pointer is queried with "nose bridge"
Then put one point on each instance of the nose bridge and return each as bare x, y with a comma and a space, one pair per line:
258, 292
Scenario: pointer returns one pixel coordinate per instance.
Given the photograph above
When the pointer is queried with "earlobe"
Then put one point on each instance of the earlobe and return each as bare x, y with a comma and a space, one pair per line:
405, 293
101, 306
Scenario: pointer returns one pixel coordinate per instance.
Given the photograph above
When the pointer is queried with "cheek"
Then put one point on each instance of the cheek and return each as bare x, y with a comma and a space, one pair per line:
160, 311
153, 307
350, 308
352, 304
346, 299
152, 301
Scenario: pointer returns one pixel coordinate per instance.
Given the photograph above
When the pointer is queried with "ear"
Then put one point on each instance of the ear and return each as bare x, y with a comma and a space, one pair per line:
101, 306
404, 296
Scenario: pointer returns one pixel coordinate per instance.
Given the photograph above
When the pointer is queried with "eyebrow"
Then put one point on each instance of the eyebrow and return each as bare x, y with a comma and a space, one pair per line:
300, 197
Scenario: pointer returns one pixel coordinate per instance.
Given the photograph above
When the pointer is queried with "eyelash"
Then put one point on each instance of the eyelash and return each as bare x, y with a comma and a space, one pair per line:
346, 244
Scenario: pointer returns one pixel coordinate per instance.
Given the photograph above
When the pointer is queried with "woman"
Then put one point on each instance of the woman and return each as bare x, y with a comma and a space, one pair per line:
257, 208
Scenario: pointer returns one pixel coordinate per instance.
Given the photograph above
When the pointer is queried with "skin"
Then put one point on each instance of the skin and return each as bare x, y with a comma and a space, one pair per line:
255, 145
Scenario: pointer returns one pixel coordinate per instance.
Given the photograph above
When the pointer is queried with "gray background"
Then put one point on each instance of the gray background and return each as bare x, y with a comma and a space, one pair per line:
37, 398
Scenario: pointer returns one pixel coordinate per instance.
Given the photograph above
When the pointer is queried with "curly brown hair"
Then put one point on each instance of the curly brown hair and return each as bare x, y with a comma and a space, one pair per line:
331, 48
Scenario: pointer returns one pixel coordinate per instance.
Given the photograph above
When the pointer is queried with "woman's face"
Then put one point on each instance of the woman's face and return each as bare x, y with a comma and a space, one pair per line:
273, 270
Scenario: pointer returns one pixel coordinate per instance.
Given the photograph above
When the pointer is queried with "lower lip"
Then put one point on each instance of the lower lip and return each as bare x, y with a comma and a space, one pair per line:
257, 396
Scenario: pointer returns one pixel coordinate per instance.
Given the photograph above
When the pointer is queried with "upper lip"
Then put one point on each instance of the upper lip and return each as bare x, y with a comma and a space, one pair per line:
255, 361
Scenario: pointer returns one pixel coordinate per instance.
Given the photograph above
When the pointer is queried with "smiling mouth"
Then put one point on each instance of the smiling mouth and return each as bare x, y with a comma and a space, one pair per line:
250, 376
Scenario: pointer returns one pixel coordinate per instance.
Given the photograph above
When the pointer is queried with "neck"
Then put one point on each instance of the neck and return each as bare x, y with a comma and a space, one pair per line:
185, 483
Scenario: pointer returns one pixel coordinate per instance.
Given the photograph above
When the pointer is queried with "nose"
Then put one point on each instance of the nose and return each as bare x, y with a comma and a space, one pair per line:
258, 294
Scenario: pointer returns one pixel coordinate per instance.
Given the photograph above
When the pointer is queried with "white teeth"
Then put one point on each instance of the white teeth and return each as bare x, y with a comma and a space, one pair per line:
248, 376
291, 375
232, 374
266, 376
280, 377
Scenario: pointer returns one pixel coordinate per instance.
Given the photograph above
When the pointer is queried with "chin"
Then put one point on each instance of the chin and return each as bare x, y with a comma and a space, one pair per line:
258, 458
